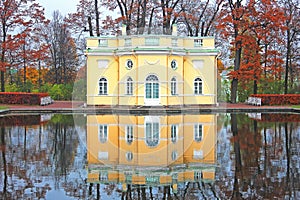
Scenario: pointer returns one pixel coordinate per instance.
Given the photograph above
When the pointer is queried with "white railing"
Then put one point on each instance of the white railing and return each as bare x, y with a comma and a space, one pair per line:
46, 101
254, 101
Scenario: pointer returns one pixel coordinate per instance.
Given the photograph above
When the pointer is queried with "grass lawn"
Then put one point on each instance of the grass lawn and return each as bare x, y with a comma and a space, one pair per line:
296, 106
3, 107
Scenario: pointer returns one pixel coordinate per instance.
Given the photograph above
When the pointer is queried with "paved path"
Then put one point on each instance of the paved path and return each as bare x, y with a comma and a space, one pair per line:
77, 107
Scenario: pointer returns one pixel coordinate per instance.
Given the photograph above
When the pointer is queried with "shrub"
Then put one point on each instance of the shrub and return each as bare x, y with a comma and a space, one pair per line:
278, 99
79, 90
21, 98
61, 91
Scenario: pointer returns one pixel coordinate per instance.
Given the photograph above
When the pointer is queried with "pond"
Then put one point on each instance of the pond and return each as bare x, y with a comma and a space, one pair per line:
207, 156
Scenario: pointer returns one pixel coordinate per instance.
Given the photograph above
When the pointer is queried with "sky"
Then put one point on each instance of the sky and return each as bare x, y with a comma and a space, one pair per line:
64, 6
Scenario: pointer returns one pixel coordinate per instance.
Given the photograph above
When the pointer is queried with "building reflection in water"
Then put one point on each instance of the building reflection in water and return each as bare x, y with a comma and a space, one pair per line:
151, 151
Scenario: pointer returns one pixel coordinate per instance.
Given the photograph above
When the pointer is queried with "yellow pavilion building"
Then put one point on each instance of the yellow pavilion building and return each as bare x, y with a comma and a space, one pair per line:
151, 150
151, 70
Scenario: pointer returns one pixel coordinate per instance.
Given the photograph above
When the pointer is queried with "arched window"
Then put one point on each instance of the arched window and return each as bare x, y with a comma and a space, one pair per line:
173, 86
174, 133
198, 86
103, 133
129, 156
198, 132
174, 155
152, 87
152, 134
151, 128
102, 86
129, 86
198, 175
129, 134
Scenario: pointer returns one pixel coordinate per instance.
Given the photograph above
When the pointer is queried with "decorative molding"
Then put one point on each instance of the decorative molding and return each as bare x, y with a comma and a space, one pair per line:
152, 63
103, 63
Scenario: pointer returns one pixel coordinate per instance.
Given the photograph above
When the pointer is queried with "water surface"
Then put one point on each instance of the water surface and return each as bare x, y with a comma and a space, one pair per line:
208, 156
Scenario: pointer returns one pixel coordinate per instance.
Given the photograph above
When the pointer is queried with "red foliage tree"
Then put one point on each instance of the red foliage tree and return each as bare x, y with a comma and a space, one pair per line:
17, 20
253, 28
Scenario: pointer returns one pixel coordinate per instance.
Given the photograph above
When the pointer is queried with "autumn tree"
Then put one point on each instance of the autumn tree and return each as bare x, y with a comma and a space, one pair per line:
16, 18
292, 35
200, 17
63, 59
255, 29
233, 25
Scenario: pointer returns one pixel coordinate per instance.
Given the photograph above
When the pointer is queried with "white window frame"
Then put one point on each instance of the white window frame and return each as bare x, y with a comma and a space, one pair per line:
152, 124
152, 90
129, 135
198, 42
173, 86
174, 155
103, 133
103, 86
129, 156
198, 86
129, 86
174, 133
198, 132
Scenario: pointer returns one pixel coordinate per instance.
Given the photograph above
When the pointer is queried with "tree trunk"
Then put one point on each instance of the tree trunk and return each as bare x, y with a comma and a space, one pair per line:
255, 87
288, 49
150, 21
2, 73
237, 63
24, 66
97, 18
3, 146
2, 82
90, 26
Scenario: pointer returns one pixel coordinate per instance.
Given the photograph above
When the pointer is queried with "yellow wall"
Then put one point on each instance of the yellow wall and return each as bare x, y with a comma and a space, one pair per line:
117, 146
151, 60
156, 157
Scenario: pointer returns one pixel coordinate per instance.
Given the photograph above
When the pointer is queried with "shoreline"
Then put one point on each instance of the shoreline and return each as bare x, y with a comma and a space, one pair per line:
70, 107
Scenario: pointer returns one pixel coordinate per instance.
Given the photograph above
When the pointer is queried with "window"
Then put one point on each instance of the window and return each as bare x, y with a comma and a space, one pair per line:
103, 176
174, 155
102, 43
198, 86
102, 132
152, 87
174, 64
129, 156
129, 134
197, 175
129, 64
173, 86
129, 86
174, 133
102, 86
152, 134
152, 41
198, 43
198, 132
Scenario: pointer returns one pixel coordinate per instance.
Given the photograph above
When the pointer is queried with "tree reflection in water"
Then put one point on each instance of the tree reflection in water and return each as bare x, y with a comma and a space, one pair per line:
257, 157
